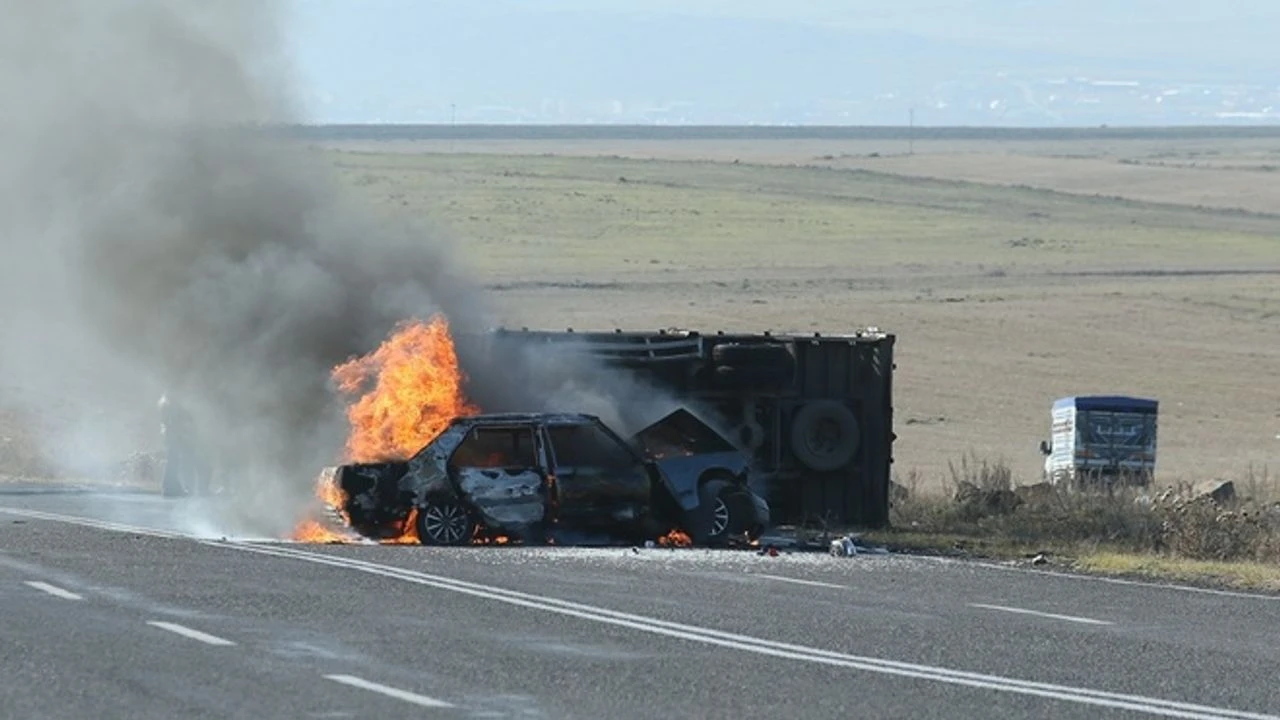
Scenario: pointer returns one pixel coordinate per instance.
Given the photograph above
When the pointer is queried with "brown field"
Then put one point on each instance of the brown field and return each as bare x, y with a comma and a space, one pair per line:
1011, 272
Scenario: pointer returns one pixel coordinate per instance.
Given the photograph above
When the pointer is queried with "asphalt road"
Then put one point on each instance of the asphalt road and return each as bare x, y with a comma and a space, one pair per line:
112, 609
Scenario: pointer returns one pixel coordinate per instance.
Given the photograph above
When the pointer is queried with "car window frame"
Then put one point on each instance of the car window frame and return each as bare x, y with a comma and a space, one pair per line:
553, 460
539, 463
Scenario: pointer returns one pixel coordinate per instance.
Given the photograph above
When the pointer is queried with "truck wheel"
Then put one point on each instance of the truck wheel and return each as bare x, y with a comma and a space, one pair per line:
824, 435
444, 520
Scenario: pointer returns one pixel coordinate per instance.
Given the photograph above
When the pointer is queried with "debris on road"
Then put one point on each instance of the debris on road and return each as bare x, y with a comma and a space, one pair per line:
844, 547
845, 544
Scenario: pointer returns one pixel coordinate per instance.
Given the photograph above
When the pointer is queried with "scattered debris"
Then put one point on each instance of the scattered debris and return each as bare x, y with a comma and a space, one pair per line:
844, 547
850, 545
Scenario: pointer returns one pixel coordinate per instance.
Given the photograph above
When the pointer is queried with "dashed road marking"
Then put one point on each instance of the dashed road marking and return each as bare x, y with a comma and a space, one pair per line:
798, 581
1037, 613
187, 632
53, 590
709, 636
706, 635
404, 695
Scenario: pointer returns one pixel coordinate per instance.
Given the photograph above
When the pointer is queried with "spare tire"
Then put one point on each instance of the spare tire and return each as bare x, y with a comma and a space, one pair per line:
824, 435
752, 355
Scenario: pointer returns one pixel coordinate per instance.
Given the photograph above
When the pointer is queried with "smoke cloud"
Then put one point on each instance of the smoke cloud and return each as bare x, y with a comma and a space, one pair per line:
158, 239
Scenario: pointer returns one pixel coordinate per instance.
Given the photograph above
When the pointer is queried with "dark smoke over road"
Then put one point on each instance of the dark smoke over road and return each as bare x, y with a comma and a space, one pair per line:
155, 241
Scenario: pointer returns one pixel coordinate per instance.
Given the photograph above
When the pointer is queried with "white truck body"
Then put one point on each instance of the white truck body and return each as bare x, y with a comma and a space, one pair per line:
1104, 437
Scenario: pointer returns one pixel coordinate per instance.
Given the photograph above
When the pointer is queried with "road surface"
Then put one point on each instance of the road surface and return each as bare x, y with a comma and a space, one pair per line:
112, 610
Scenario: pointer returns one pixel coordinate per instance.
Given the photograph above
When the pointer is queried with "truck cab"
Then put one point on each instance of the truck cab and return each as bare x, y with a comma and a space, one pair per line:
1101, 440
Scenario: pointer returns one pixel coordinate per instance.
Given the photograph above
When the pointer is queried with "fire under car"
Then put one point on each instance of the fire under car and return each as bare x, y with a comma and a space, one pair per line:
537, 478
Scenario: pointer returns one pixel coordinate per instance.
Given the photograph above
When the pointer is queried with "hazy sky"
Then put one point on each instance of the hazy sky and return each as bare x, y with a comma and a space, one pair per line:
412, 60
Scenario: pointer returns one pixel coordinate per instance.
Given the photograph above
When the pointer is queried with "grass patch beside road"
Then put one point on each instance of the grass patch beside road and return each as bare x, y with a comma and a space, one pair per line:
1238, 575
1209, 534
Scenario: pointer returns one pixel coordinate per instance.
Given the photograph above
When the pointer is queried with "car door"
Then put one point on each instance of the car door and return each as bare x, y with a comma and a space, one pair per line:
599, 481
501, 471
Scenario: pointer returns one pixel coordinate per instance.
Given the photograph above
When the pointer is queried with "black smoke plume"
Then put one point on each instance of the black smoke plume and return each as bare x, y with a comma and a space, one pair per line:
161, 234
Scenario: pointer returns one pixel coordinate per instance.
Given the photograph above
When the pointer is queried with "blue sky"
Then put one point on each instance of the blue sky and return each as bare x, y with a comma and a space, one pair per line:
757, 60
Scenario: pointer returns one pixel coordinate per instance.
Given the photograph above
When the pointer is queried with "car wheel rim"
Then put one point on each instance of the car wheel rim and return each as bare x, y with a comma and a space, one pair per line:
719, 517
445, 523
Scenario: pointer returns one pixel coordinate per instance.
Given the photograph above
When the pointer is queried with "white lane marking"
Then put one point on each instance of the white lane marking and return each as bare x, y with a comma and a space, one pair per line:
185, 631
1103, 579
405, 695
53, 590
798, 581
137, 530
94, 523
1087, 696
1037, 613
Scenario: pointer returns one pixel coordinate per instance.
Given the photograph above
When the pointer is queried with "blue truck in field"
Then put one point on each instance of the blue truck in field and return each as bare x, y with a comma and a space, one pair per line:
1101, 440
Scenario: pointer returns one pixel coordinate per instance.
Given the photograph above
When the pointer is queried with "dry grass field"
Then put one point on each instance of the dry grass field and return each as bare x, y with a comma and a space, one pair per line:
1011, 272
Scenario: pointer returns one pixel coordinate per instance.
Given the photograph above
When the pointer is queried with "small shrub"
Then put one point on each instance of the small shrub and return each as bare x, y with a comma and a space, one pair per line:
982, 501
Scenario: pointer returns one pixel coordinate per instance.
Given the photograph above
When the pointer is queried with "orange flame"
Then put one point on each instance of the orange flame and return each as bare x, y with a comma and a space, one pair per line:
311, 531
405, 393
676, 538
408, 532
417, 391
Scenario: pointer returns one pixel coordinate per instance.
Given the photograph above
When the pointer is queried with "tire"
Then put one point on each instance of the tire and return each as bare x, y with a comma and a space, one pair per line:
752, 355
824, 435
444, 520
727, 511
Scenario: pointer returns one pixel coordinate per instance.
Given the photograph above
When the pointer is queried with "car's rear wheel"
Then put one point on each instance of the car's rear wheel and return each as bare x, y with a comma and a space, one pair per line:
444, 520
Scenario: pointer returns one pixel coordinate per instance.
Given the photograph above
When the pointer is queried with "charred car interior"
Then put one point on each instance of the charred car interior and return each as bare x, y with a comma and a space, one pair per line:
548, 478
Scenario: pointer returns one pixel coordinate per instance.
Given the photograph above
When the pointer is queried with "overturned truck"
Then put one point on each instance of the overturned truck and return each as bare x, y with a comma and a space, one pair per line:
815, 412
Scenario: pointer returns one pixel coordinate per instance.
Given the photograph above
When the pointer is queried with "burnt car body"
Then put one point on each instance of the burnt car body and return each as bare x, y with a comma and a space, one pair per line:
538, 477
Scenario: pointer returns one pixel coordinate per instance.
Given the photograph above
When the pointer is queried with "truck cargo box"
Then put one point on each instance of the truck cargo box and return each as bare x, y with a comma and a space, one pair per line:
815, 411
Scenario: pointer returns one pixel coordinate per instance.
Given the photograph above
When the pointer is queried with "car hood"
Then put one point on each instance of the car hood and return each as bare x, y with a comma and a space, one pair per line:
680, 432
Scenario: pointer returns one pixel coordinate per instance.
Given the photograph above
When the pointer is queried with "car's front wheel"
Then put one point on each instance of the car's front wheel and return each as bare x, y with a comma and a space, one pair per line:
444, 520
728, 511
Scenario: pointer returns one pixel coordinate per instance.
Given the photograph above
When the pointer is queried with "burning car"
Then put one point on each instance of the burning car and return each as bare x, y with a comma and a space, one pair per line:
540, 477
